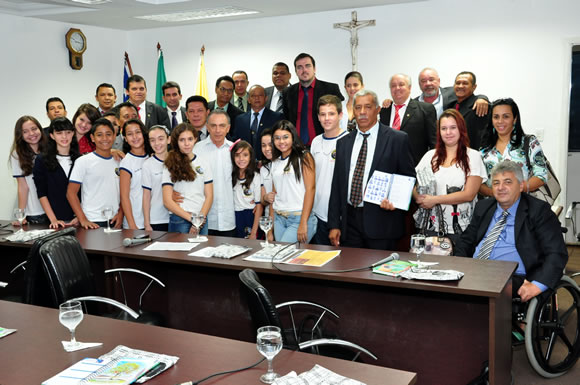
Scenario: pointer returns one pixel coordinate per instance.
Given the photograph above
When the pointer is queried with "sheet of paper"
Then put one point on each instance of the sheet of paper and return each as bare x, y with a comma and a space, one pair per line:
4, 332
313, 258
171, 246
278, 251
401, 191
377, 187
225, 250
76, 373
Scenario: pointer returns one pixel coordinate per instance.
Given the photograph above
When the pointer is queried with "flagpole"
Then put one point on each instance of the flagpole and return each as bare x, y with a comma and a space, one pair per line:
128, 64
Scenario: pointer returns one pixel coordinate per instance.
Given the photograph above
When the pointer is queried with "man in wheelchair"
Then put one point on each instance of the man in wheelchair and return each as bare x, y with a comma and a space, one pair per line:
514, 226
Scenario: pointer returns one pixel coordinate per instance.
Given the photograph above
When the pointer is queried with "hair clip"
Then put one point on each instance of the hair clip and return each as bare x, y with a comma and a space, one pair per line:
232, 146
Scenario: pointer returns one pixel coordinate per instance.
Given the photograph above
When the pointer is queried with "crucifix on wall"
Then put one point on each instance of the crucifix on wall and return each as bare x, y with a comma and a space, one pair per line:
353, 26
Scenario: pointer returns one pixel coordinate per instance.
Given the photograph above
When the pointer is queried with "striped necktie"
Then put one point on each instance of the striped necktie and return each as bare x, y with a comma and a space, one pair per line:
492, 237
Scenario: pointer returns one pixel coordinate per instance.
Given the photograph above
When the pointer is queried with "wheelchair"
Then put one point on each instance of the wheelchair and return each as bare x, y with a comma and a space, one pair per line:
551, 327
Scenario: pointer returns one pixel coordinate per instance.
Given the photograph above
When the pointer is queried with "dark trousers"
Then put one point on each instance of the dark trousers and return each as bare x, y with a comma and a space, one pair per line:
321, 235
355, 236
229, 233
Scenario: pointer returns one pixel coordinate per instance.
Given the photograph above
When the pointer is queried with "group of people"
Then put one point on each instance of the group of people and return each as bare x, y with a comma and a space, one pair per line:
298, 153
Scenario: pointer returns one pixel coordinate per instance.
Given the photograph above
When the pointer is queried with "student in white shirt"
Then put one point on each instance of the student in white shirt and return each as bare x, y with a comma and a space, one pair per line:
98, 173
137, 150
29, 140
155, 215
323, 149
247, 190
190, 176
293, 177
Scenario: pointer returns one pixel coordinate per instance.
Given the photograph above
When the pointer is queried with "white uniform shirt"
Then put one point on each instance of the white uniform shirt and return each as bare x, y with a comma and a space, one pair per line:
324, 152
33, 206
151, 180
266, 179
222, 216
99, 178
193, 192
289, 192
133, 164
247, 198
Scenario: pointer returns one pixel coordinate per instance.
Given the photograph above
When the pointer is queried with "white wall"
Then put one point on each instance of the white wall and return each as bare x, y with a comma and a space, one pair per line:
517, 48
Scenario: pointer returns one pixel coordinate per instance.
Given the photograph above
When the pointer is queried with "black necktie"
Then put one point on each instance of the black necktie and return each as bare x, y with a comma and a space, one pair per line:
356, 186
304, 135
173, 119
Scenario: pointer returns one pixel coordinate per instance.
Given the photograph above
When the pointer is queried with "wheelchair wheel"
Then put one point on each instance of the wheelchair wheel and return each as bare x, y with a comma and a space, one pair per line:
552, 325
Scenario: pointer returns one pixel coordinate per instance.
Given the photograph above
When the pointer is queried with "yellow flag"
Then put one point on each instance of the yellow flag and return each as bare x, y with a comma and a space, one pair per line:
201, 88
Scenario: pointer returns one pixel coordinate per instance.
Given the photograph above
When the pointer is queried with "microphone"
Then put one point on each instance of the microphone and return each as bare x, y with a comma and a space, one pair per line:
128, 242
392, 257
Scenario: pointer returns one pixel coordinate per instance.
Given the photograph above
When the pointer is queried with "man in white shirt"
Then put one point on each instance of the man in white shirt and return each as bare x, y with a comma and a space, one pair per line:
281, 78
150, 113
323, 150
172, 97
197, 110
221, 219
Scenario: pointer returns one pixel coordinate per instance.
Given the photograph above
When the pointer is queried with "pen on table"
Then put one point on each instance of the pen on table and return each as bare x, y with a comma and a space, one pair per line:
155, 370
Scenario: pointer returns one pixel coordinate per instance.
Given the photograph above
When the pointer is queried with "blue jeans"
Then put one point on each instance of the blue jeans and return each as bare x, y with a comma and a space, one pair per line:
179, 225
286, 229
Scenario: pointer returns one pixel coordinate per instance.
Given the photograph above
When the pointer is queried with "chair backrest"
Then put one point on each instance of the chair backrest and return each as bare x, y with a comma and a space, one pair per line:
67, 268
262, 309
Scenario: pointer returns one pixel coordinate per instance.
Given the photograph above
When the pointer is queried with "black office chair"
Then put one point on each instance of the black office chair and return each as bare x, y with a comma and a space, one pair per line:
69, 276
264, 312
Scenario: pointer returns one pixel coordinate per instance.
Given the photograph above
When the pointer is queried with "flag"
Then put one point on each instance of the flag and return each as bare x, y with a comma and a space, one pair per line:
201, 88
127, 71
161, 79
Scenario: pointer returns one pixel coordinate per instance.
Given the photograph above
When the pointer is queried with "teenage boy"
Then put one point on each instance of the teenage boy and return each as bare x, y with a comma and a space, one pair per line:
98, 173
323, 150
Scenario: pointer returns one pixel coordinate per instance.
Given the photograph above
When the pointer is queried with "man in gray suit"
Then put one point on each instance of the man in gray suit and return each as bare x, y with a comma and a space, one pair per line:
172, 97
150, 113
281, 78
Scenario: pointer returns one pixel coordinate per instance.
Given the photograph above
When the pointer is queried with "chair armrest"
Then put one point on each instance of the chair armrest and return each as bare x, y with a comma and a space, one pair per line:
333, 341
109, 301
20, 265
305, 303
129, 270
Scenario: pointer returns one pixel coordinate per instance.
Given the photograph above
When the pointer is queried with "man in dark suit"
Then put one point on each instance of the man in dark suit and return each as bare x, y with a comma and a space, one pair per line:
416, 118
172, 97
150, 113
250, 125
281, 78
224, 89
440, 97
530, 234
465, 85
300, 100
351, 221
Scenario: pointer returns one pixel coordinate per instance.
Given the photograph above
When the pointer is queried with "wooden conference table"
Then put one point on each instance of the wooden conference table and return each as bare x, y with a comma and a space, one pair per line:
34, 353
443, 331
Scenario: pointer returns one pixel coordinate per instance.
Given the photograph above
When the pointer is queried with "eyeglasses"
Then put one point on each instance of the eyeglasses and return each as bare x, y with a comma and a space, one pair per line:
226, 90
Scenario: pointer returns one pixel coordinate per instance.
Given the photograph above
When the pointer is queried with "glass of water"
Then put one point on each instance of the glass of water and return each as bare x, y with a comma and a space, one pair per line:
70, 316
269, 343
19, 215
108, 213
418, 245
197, 221
266, 226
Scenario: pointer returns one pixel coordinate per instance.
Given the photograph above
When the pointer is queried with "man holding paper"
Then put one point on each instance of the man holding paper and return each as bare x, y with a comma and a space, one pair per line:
372, 147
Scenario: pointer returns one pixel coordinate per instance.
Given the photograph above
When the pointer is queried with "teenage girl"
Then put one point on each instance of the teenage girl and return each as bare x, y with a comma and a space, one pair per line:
29, 140
97, 172
83, 120
247, 190
189, 175
155, 214
51, 172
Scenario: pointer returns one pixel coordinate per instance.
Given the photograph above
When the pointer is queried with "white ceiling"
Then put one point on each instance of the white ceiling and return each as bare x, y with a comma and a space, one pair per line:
119, 14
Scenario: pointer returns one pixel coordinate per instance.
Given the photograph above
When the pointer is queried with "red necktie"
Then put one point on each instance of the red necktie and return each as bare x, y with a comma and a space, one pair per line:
397, 119
457, 106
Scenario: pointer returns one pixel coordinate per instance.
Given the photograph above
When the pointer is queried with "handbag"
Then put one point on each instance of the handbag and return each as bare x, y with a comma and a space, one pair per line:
551, 189
439, 244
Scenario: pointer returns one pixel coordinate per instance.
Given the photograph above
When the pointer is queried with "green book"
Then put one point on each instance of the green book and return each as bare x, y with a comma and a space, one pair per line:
393, 268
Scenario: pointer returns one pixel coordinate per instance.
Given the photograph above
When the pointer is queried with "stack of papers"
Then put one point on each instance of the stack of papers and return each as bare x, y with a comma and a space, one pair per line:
29, 235
316, 376
226, 251
433, 275
277, 251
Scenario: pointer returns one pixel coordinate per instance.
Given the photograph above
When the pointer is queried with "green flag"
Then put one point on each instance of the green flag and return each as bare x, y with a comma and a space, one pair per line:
161, 79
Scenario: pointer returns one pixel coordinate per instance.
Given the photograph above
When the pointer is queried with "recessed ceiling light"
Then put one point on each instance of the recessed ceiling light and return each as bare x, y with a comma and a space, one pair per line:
91, 2
199, 14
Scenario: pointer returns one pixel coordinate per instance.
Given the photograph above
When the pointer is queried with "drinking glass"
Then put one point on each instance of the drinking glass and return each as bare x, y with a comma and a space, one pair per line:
19, 215
197, 221
269, 343
266, 226
70, 316
108, 213
418, 245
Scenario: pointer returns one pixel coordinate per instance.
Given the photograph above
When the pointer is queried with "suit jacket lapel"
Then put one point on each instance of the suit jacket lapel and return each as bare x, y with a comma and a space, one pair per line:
349, 144
383, 136
486, 219
520, 215
409, 112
